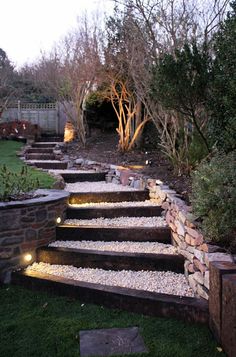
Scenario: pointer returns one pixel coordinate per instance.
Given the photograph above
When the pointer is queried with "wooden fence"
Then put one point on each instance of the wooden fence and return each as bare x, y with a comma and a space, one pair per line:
50, 117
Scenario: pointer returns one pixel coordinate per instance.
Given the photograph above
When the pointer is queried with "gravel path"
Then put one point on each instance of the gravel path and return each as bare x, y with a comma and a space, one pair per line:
127, 247
98, 186
34, 161
117, 204
71, 171
119, 222
156, 281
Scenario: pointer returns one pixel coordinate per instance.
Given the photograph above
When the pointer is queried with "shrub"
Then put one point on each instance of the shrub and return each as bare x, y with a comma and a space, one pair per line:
214, 196
15, 186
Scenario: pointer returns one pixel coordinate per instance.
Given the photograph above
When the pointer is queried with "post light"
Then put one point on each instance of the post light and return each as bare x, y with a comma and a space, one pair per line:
28, 257
58, 220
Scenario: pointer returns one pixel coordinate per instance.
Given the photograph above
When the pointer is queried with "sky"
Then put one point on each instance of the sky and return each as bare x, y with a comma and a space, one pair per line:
28, 27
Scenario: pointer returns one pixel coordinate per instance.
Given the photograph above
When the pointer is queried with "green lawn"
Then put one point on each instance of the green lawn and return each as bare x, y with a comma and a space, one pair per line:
37, 324
8, 157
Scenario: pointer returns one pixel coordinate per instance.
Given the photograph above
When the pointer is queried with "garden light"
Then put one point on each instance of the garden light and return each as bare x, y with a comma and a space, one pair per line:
58, 220
28, 257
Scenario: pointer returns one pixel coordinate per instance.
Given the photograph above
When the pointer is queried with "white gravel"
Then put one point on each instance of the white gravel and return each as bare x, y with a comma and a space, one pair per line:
71, 171
155, 221
34, 161
116, 204
97, 186
127, 247
155, 281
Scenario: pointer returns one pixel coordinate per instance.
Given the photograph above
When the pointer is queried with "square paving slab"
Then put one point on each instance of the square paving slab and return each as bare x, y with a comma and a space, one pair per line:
109, 342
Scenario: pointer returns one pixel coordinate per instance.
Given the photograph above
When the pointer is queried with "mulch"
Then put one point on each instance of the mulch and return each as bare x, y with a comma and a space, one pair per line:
102, 147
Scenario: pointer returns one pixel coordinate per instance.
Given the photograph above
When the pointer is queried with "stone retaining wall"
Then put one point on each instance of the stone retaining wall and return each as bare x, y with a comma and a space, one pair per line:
185, 235
27, 225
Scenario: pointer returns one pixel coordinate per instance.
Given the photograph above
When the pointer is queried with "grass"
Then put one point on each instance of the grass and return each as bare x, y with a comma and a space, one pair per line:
8, 157
39, 324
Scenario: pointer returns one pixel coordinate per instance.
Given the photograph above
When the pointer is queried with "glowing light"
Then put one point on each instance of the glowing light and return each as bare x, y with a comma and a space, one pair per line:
28, 257
58, 220
69, 133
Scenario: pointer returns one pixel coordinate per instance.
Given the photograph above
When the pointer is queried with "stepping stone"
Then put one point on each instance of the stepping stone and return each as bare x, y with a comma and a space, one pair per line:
109, 342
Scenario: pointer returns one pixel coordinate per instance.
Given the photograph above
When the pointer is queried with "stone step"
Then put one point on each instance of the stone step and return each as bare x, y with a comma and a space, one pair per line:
189, 309
90, 213
44, 144
86, 258
96, 233
39, 151
51, 139
82, 177
40, 156
49, 165
115, 196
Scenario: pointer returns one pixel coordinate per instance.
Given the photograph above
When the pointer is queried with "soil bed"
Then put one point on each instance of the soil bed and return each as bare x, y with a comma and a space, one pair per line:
102, 147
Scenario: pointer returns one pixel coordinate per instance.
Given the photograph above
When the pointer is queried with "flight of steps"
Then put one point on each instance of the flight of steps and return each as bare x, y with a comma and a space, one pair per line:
41, 154
141, 301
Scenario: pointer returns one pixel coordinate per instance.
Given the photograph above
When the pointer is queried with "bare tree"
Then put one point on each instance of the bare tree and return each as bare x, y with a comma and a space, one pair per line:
7, 88
72, 70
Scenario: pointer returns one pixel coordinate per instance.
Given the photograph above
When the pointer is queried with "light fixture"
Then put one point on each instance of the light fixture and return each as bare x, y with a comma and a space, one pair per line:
28, 257
58, 220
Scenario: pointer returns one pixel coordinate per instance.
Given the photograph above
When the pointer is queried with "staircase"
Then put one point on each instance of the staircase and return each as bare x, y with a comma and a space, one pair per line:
190, 309
42, 155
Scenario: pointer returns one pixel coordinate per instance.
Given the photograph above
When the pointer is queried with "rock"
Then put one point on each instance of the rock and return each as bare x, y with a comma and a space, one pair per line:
199, 265
202, 292
207, 279
198, 277
199, 255
180, 228
218, 257
79, 161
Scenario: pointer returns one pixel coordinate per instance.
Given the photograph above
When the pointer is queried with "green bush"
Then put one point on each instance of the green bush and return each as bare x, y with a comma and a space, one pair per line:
214, 197
15, 185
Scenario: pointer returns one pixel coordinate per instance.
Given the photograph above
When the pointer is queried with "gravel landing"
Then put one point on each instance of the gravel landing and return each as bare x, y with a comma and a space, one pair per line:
98, 186
127, 247
71, 171
155, 281
53, 161
116, 204
119, 222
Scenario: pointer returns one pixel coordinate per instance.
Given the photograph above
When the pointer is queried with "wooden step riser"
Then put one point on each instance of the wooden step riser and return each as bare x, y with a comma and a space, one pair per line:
43, 145
51, 165
112, 260
40, 151
40, 156
90, 213
139, 234
138, 301
51, 139
85, 197
81, 177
